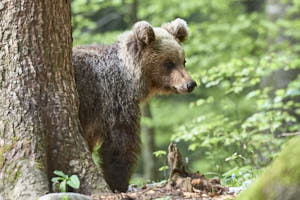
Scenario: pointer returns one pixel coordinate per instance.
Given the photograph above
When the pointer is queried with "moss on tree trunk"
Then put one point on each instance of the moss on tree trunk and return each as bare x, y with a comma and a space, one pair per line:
281, 180
39, 126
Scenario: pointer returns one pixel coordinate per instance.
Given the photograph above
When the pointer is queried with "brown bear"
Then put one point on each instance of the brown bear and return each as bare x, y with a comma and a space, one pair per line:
113, 80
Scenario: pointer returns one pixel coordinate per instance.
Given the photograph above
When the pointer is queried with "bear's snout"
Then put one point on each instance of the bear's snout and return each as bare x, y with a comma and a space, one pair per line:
191, 86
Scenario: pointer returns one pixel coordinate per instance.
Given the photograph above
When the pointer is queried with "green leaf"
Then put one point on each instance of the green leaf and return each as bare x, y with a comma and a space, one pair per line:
56, 179
293, 92
65, 198
74, 182
159, 153
60, 173
163, 168
194, 146
63, 186
96, 156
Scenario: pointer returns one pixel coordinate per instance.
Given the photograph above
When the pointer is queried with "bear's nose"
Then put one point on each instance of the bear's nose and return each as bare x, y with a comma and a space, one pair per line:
191, 85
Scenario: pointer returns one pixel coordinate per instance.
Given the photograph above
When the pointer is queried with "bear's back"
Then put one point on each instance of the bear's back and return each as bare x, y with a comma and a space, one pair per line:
104, 85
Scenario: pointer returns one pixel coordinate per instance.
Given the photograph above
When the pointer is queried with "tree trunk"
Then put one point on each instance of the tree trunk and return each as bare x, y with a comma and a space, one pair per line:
39, 126
276, 10
253, 5
133, 12
281, 180
148, 145
147, 131
280, 79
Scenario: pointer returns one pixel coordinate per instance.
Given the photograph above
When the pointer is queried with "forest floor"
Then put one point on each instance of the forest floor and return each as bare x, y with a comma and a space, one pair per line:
162, 193
181, 185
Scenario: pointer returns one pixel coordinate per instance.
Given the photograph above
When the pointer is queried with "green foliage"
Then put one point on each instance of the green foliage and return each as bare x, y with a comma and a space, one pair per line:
65, 198
241, 111
159, 153
237, 176
96, 155
163, 168
91, 19
163, 198
62, 181
162, 155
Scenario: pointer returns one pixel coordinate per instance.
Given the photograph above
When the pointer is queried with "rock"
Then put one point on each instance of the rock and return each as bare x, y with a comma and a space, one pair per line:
235, 190
63, 196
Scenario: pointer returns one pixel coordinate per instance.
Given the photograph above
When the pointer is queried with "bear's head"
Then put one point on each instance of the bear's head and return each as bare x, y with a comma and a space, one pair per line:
157, 53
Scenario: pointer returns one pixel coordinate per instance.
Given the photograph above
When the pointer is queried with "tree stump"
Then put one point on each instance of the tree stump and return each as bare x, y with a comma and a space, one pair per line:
181, 185
182, 180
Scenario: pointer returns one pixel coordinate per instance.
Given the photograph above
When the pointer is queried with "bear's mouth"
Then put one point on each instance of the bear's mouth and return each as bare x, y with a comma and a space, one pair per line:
178, 90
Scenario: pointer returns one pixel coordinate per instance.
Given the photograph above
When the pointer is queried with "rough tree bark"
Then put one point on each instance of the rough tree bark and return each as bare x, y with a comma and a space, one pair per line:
39, 126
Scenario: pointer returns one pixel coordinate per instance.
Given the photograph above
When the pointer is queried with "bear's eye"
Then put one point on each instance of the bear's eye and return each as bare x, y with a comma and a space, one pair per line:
170, 64
184, 62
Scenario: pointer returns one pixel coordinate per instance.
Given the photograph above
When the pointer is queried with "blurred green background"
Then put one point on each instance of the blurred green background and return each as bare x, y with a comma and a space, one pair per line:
244, 55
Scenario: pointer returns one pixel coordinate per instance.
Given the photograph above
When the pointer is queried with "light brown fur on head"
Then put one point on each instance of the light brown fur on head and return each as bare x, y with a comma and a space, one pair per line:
157, 53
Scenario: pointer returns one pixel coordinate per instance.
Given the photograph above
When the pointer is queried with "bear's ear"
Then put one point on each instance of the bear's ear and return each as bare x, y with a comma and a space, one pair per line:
144, 32
178, 28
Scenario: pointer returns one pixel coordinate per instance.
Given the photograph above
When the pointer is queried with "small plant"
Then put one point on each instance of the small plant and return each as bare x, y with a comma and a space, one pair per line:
239, 176
65, 198
62, 181
160, 154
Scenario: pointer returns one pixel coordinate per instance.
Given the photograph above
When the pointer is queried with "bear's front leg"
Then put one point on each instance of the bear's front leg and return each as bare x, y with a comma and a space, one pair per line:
119, 154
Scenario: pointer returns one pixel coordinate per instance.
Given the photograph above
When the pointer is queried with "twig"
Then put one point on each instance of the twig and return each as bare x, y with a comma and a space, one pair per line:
289, 134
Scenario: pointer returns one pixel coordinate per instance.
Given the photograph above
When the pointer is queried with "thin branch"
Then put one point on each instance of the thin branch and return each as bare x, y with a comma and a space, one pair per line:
289, 134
